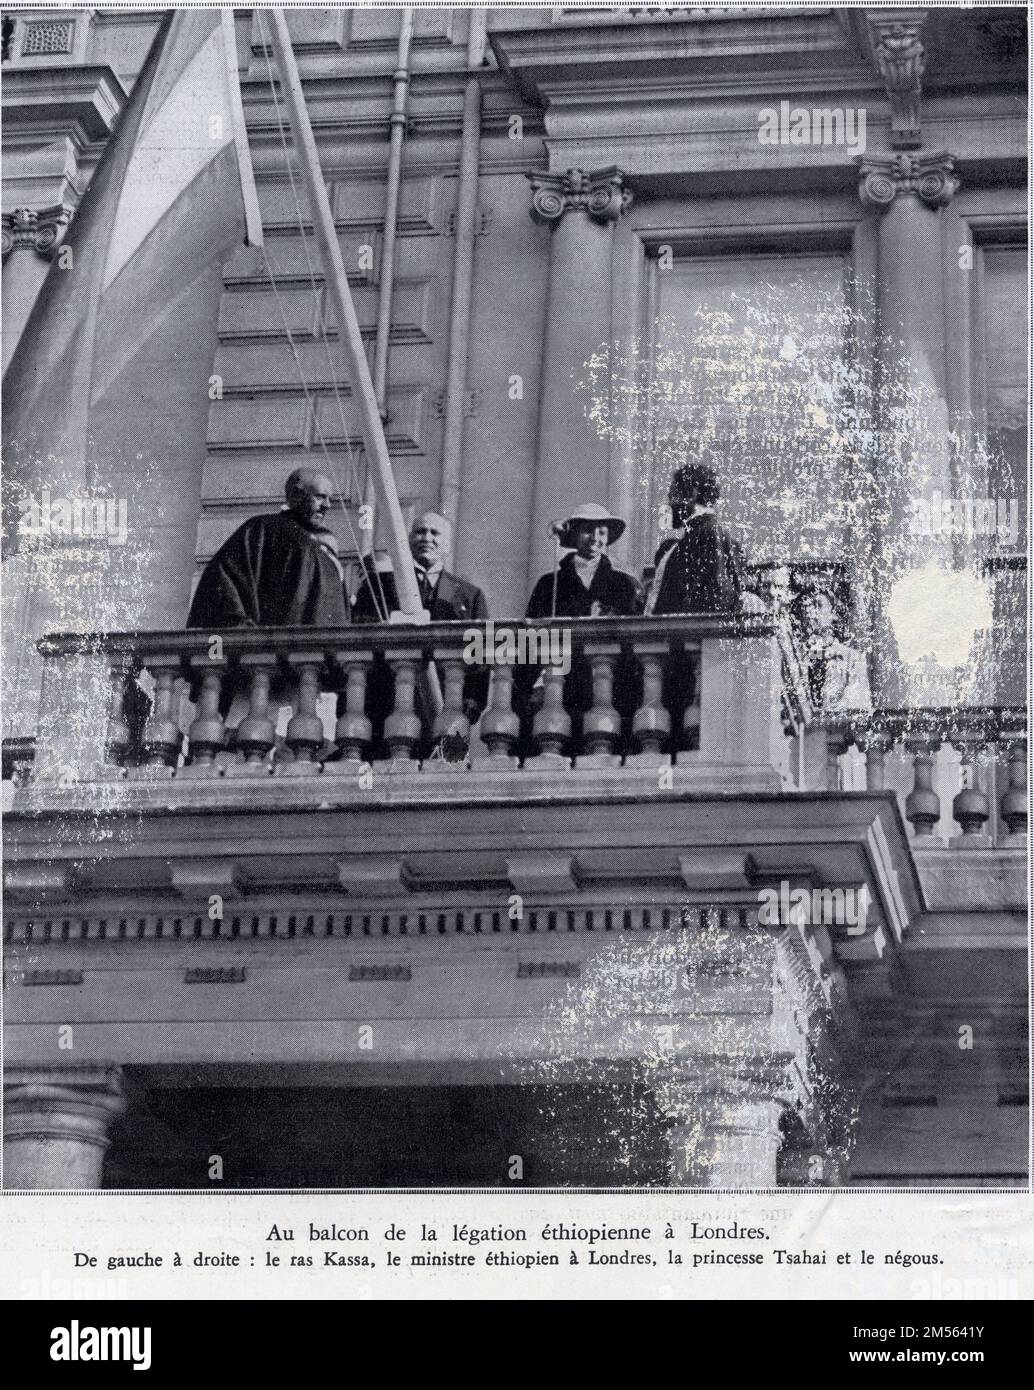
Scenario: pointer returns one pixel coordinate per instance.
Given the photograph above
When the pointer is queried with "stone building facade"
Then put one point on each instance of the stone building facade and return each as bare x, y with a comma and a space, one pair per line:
417, 980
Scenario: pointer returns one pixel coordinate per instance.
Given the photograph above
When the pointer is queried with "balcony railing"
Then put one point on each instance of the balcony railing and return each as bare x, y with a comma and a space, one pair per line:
721, 697
715, 692
991, 743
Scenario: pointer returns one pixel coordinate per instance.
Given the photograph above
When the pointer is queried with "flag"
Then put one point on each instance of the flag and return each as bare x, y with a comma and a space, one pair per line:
106, 398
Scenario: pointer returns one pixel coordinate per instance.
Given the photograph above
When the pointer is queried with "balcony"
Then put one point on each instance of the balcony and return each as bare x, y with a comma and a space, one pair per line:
572, 888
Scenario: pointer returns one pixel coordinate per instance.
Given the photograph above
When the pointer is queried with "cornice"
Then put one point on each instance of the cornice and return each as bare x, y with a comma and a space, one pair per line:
83, 102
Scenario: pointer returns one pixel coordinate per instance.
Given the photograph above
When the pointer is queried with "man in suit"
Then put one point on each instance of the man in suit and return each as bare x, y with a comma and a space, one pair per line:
445, 596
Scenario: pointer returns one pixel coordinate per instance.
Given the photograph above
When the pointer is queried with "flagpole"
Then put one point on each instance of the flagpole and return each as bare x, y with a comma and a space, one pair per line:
348, 325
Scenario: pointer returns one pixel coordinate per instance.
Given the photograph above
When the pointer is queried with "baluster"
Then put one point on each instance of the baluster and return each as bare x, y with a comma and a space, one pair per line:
875, 744
836, 745
601, 728
304, 734
551, 727
922, 804
402, 728
971, 807
353, 731
691, 717
651, 724
451, 730
162, 735
1014, 798
256, 732
500, 726
119, 736
207, 732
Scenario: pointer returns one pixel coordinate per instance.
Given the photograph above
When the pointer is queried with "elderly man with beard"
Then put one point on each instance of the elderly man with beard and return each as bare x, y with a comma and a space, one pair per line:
279, 570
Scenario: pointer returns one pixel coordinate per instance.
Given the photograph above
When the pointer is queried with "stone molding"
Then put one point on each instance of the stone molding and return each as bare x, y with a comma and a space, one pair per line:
59, 928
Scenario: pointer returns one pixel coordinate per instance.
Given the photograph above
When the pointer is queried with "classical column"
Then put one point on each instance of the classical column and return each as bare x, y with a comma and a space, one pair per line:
30, 240
725, 1139
56, 1122
572, 462
907, 192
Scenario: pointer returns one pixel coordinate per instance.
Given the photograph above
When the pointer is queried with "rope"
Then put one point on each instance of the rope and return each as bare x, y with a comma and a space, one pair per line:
380, 601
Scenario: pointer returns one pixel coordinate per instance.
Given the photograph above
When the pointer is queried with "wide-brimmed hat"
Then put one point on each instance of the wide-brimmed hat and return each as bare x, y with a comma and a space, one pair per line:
597, 516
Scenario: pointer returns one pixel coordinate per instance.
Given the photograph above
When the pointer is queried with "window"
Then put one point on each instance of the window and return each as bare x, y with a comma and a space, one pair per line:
784, 319
1002, 372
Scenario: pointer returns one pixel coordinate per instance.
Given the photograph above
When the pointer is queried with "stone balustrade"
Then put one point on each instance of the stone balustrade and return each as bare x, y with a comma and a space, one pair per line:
991, 743
722, 694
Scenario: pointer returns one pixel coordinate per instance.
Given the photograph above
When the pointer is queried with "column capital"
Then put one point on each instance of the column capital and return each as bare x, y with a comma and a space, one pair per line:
40, 230
931, 177
56, 1122
601, 193
62, 1102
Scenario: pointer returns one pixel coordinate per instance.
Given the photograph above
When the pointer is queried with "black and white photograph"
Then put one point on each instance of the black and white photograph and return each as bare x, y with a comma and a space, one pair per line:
515, 615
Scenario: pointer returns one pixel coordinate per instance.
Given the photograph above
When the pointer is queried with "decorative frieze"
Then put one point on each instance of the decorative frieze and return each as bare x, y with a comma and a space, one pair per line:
931, 177
601, 193
266, 925
41, 231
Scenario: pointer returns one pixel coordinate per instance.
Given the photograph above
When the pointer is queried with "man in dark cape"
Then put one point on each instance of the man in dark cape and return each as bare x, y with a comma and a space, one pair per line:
277, 571
701, 571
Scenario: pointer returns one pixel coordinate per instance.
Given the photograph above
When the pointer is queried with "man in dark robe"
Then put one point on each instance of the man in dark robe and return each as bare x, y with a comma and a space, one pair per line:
701, 570
586, 586
277, 571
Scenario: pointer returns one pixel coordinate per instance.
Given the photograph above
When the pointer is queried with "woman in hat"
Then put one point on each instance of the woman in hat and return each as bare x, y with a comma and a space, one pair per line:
585, 584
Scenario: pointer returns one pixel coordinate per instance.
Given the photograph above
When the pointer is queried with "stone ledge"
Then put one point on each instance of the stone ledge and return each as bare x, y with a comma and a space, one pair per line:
977, 880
